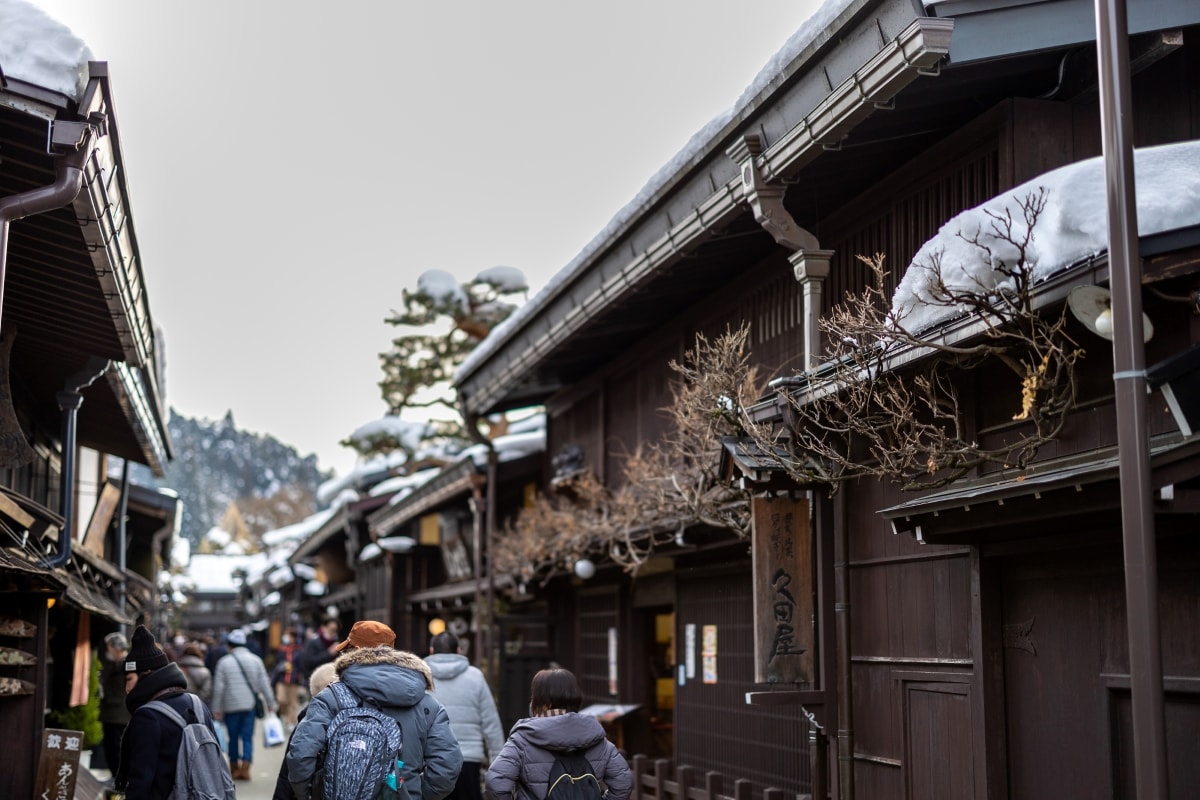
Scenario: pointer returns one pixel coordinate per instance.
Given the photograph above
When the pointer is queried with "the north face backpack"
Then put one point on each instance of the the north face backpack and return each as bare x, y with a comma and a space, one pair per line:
200, 769
572, 778
361, 747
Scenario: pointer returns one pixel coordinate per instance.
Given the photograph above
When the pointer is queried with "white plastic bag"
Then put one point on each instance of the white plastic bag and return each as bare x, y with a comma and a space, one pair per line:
273, 734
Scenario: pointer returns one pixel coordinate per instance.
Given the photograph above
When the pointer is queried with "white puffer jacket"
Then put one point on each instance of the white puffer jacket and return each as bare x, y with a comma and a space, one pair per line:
468, 700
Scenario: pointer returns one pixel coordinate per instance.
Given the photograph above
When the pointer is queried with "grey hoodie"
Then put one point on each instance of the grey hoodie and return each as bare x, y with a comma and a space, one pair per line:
395, 682
523, 767
465, 693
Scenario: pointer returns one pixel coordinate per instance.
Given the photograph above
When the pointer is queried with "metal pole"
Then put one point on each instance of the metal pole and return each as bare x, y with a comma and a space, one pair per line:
122, 512
1129, 363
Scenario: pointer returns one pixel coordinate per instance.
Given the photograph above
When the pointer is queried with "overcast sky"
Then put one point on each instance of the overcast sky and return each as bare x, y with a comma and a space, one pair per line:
294, 164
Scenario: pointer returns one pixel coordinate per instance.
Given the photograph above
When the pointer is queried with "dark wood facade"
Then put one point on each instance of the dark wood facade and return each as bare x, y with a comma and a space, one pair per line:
988, 655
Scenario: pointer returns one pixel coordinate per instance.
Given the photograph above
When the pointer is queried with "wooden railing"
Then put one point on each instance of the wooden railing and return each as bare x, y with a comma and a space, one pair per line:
653, 780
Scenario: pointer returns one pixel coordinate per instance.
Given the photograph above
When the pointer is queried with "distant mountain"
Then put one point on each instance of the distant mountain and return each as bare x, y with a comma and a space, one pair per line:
216, 465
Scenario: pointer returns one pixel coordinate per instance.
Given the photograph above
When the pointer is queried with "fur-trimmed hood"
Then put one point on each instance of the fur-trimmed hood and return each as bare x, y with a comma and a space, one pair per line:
385, 677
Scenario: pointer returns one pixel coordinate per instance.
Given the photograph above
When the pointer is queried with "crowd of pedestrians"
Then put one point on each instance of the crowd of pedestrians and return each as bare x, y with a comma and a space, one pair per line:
433, 719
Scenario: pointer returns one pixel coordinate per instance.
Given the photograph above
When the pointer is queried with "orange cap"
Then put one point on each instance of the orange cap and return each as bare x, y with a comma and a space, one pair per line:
368, 633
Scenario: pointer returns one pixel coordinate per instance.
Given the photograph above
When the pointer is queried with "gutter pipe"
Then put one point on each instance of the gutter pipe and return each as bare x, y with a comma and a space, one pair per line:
1129, 379
122, 509
484, 611
845, 699
69, 401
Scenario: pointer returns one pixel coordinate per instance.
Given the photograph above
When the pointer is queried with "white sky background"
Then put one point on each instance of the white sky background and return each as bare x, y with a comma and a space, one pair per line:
294, 165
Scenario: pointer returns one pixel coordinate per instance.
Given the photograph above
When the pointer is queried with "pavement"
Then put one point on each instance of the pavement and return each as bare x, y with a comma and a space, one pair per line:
264, 770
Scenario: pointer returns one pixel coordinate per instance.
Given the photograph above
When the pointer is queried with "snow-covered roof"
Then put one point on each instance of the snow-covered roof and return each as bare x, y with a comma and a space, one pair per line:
699, 144
214, 572
40, 50
297, 532
1072, 227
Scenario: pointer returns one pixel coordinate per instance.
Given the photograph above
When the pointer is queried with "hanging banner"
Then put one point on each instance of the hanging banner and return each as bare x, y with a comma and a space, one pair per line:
58, 765
783, 591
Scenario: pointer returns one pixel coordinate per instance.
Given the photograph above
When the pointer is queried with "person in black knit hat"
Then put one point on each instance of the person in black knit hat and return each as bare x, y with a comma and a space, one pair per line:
151, 742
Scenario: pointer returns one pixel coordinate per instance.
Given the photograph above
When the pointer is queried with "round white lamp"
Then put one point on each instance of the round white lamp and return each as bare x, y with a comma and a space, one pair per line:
584, 568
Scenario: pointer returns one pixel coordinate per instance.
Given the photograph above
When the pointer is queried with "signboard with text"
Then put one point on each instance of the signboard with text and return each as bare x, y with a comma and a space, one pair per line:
783, 591
58, 766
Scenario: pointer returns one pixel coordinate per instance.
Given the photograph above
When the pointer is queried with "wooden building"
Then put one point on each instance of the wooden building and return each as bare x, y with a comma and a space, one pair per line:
986, 656
79, 383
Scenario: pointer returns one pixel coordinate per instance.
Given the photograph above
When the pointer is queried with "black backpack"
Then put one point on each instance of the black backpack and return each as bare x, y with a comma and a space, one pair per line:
572, 778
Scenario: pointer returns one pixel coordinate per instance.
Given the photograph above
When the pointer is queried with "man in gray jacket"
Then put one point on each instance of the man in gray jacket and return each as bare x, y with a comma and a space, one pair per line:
396, 683
465, 693
239, 677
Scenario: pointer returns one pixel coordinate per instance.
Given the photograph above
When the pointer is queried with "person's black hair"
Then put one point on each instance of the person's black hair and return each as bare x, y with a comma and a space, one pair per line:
325, 620
555, 688
444, 642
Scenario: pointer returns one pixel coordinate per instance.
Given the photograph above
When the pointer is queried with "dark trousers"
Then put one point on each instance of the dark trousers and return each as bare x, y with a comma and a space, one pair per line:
467, 786
113, 731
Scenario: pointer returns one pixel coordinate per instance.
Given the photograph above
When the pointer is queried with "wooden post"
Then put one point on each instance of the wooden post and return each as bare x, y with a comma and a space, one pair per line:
662, 768
686, 778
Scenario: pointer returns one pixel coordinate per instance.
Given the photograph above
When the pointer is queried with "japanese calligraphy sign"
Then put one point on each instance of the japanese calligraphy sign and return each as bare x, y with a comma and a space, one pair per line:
783, 594
58, 765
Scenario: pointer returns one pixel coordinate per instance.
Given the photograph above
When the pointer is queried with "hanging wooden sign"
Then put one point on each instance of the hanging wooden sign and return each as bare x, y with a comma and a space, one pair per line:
784, 628
58, 766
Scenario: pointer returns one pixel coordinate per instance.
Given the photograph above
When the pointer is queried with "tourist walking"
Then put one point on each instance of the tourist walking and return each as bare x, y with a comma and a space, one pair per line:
397, 683
152, 739
464, 692
114, 716
240, 677
555, 727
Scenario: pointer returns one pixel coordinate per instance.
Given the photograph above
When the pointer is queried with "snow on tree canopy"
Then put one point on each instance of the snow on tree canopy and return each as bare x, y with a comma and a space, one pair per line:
504, 279
443, 288
40, 50
407, 433
1072, 226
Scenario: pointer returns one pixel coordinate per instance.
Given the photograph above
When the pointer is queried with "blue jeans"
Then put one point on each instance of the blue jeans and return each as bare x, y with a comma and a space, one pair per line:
241, 735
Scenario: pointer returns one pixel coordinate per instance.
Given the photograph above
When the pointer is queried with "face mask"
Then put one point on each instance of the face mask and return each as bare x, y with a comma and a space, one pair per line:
287, 640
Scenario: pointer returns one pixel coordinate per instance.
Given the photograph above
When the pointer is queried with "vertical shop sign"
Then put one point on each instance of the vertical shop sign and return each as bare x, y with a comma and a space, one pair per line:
708, 653
58, 765
783, 596
612, 661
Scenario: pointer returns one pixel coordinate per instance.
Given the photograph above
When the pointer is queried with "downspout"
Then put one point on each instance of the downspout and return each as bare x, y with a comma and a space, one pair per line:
810, 264
69, 401
845, 699
122, 509
485, 611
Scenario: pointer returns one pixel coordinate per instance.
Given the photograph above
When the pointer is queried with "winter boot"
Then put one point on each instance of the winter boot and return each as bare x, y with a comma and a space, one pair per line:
245, 770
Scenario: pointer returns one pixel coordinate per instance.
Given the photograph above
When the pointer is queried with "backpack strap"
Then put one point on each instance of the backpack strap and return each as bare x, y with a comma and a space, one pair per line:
175, 716
167, 711
345, 696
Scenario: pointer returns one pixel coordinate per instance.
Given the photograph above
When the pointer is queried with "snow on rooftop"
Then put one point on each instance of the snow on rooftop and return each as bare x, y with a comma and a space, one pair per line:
405, 484
1072, 227
214, 572
805, 35
297, 532
38, 49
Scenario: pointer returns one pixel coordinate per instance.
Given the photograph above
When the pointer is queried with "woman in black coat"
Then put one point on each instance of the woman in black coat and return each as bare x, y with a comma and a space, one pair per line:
151, 742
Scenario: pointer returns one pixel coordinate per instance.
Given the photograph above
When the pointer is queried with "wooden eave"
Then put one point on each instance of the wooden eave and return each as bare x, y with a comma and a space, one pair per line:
1044, 492
74, 286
